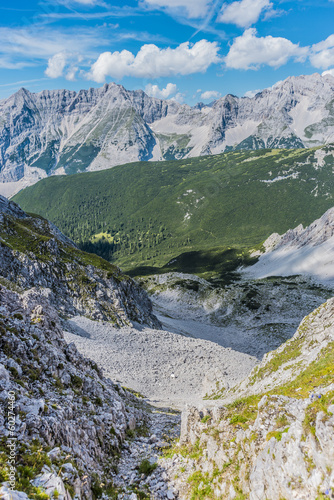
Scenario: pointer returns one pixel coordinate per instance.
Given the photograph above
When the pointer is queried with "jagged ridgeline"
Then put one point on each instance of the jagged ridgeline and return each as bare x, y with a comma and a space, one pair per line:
63, 131
147, 213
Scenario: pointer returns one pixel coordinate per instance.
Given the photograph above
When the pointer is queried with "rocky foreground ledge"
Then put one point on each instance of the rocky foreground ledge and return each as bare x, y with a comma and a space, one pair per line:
78, 435
271, 436
66, 431
66, 422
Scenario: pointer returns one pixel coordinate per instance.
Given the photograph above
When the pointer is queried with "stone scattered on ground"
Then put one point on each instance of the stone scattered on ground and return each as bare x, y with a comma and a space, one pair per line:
167, 368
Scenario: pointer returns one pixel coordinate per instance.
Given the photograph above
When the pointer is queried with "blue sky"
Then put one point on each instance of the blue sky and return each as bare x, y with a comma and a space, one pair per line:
189, 50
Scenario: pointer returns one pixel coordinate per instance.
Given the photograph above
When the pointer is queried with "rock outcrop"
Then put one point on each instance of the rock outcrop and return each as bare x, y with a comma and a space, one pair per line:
58, 132
61, 422
305, 251
66, 431
64, 428
35, 254
272, 436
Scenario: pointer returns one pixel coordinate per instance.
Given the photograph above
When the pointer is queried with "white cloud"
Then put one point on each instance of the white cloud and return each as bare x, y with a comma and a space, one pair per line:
250, 52
328, 72
71, 73
88, 3
24, 47
154, 91
63, 64
56, 65
244, 13
7, 63
252, 93
322, 53
179, 97
210, 94
152, 62
192, 8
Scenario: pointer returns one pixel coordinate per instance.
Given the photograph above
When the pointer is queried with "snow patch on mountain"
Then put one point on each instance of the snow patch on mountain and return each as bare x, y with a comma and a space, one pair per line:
295, 175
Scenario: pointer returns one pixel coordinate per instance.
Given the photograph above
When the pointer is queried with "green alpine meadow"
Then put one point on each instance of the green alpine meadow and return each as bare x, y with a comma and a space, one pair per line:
200, 215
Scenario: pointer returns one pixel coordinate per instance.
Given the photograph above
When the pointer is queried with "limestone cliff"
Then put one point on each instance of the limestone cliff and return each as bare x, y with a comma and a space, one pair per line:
64, 422
64, 132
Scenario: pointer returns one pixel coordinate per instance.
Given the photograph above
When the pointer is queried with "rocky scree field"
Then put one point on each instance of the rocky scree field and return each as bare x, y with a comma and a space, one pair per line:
71, 424
248, 315
81, 435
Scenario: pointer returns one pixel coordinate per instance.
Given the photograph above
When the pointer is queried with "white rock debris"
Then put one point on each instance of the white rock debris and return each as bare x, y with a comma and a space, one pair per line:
267, 445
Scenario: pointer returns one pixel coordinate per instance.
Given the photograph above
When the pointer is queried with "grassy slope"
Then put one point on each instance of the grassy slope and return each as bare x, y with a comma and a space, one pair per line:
151, 216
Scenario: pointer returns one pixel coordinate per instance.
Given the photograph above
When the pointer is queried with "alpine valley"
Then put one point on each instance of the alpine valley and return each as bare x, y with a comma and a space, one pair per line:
206, 369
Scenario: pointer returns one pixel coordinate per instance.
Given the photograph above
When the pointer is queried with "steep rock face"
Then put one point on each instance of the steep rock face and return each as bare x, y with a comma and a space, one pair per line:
34, 254
300, 250
315, 234
67, 132
272, 436
65, 422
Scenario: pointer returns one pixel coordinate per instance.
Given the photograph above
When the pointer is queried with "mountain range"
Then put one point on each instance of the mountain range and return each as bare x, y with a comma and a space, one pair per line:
65, 132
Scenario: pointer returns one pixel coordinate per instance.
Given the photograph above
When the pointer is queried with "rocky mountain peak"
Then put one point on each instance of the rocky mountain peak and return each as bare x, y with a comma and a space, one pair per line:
64, 131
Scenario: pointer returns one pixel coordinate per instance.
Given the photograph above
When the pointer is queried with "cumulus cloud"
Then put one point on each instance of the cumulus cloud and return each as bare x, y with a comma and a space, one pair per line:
152, 62
56, 65
244, 13
71, 73
192, 8
63, 64
252, 93
328, 72
154, 91
250, 52
322, 53
179, 97
210, 94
